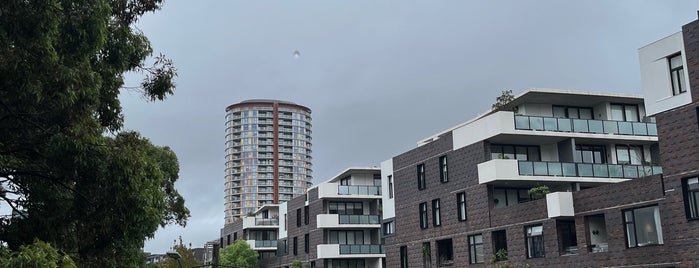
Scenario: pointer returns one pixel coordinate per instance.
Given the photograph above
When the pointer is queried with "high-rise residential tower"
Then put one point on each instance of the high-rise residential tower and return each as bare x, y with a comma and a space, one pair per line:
268, 154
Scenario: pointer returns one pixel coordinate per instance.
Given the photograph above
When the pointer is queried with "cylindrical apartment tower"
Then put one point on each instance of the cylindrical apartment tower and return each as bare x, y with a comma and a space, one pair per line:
268, 154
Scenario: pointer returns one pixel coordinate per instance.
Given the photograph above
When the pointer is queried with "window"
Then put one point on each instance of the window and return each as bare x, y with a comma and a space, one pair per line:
423, 215
503, 197
426, 255
306, 216
643, 227
597, 232
445, 252
567, 241
347, 237
519, 152
228, 239
306, 243
390, 186
691, 197
443, 175
388, 228
404, 257
346, 181
377, 179
282, 248
295, 246
500, 245
346, 208
629, 154
436, 217
624, 112
535, 241
421, 177
235, 236
475, 248
677, 74
345, 263
286, 219
589, 154
572, 112
461, 205
298, 217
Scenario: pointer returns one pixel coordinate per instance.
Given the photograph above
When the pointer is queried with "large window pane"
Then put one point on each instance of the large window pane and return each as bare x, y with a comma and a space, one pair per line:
643, 227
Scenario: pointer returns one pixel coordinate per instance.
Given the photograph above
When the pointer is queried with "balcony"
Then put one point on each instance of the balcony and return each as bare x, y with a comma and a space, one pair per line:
358, 190
525, 122
558, 169
260, 223
263, 244
513, 170
348, 221
333, 190
333, 251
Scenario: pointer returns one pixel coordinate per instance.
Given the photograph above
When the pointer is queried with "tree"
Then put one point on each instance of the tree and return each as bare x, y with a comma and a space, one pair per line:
239, 255
503, 102
298, 264
69, 174
39, 254
187, 258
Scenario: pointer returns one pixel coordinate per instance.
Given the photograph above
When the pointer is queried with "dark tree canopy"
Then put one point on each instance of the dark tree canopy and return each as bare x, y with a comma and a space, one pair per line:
69, 174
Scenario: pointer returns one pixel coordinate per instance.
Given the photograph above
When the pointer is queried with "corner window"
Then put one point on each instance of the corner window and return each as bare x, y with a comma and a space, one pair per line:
436, 217
388, 228
677, 74
423, 215
443, 175
567, 240
643, 227
445, 252
535, 241
475, 248
691, 197
421, 184
404, 257
390, 186
461, 206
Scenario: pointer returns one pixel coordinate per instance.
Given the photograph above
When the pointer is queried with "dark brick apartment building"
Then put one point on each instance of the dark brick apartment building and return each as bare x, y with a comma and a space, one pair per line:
624, 189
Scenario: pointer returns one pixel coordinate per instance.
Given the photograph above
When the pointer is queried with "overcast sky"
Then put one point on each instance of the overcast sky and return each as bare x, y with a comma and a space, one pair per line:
378, 75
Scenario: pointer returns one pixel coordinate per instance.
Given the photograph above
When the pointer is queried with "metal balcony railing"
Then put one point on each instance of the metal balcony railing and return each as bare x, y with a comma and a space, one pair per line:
358, 190
526, 122
530, 168
361, 249
359, 219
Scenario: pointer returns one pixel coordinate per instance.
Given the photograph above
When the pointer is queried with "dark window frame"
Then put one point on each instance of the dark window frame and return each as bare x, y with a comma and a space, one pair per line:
461, 206
567, 111
389, 228
445, 252
623, 109
581, 148
534, 244
473, 246
404, 256
443, 169
627, 148
499, 239
357, 208
306, 215
502, 155
567, 236
421, 180
296, 245
424, 221
298, 217
436, 214
632, 223
390, 186
306, 243
691, 197
678, 88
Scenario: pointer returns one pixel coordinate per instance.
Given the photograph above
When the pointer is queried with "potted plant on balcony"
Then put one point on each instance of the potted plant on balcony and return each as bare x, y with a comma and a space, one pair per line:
539, 192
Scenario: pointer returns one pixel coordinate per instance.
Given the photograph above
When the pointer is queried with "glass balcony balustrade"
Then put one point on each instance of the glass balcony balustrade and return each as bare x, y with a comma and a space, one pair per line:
358, 190
361, 249
526, 122
359, 219
265, 243
559, 169
266, 222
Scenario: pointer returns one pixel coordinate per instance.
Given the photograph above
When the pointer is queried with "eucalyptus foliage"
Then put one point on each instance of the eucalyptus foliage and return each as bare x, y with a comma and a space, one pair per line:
68, 173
